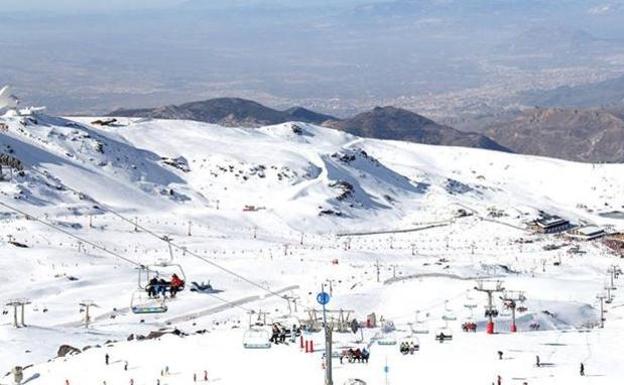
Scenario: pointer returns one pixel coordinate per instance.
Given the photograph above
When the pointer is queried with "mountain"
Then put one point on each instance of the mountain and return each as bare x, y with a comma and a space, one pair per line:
608, 92
399, 124
261, 213
230, 112
585, 135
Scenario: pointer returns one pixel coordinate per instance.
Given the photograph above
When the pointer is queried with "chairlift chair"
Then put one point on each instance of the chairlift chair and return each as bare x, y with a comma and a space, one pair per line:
142, 303
257, 338
160, 269
387, 340
420, 326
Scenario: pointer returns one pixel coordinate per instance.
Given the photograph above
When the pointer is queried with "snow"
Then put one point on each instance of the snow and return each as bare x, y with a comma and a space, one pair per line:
328, 207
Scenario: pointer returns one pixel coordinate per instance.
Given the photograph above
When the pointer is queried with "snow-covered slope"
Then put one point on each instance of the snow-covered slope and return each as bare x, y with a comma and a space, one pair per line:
288, 207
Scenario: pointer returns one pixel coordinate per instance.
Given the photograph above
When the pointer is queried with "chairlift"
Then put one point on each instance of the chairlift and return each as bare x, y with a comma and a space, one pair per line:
506, 309
469, 326
142, 303
160, 269
535, 325
387, 338
409, 346
491, 312
444, 335
420, 325
257, 338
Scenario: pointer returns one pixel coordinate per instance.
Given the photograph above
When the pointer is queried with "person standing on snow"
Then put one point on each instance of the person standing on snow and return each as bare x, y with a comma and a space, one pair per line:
106, 358
582, 370
537, 361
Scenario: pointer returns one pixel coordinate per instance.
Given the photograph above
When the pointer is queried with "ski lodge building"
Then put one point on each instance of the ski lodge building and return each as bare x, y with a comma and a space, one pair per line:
586, 233
549, 224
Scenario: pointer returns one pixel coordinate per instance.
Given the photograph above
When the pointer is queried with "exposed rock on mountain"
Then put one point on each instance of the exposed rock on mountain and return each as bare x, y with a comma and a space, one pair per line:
575, 134
231, 112
399, 124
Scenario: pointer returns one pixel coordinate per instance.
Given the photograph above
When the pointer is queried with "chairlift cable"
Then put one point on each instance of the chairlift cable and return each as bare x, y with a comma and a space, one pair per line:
102, 248
168, 241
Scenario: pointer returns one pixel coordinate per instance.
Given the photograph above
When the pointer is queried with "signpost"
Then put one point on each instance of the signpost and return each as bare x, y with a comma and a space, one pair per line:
323, 299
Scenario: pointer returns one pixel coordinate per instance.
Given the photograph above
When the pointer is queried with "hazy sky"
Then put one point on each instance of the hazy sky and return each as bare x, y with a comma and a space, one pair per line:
64, 5
110, 5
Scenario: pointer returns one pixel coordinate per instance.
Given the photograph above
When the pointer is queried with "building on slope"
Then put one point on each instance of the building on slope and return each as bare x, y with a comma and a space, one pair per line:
550, 224
586, 233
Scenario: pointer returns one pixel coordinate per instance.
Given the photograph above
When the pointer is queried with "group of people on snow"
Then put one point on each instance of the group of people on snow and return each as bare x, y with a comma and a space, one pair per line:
159, 286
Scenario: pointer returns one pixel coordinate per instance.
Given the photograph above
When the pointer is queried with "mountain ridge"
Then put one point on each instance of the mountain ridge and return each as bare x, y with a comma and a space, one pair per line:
379, 123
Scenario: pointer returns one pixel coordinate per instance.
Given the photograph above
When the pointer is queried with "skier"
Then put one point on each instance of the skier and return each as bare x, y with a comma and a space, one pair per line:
126, 366
500, 355
582, 369
106, 358
205, 375
537, 361
499, 380
194, 377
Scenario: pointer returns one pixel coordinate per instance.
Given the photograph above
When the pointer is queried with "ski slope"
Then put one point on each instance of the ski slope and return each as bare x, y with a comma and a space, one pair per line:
289, 208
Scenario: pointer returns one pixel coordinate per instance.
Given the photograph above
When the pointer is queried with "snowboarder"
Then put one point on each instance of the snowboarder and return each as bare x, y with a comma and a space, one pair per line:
500, 355
537, 361
582, 369
106, 358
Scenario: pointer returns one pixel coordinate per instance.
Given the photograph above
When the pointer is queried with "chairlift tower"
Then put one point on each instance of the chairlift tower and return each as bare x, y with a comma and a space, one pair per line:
261, 317
614, 272
511, 300
18, 304
490, 287
601, 298
87, 305
292, 299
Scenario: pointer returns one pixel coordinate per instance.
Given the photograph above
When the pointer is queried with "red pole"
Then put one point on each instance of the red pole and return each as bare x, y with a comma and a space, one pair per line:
490, 327
513, 319
311, 346
301, 342
307, 346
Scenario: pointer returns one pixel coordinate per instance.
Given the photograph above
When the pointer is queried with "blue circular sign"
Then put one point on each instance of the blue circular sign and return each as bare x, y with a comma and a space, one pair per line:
322, 298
